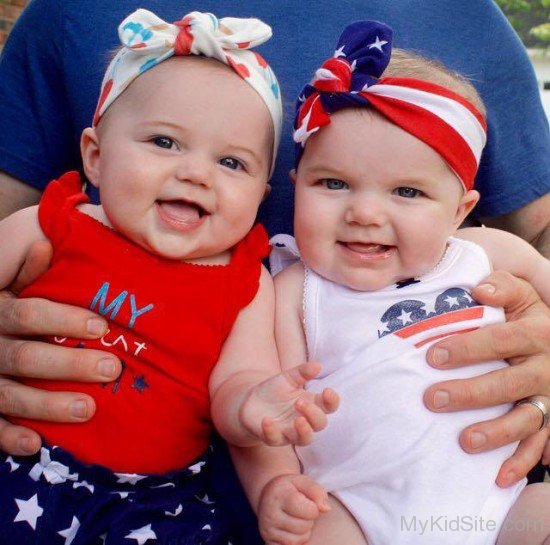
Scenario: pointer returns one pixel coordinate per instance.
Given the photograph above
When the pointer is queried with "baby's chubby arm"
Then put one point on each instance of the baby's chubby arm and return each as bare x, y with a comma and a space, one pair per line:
286, 502
18, 233
252, 401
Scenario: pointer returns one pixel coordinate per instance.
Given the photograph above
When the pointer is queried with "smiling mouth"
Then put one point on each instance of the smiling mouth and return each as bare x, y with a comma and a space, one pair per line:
181, 214
368, 250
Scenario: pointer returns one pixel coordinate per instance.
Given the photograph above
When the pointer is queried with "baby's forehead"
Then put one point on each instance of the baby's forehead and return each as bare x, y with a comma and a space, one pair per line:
178, 74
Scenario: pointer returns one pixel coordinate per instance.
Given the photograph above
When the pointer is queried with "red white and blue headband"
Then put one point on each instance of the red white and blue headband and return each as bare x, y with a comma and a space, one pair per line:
441, 118
148, 40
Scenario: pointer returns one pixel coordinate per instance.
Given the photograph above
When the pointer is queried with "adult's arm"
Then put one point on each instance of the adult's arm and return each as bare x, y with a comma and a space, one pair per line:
15, 195
514, 174
524, 340
531, 222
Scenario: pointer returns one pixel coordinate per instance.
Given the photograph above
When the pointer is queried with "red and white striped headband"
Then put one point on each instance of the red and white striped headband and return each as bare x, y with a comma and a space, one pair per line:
439, 117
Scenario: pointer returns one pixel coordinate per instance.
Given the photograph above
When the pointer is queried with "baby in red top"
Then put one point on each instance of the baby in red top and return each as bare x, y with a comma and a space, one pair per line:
183, 142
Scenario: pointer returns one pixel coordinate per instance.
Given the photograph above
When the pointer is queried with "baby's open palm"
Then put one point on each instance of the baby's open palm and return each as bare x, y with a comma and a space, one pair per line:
280, 411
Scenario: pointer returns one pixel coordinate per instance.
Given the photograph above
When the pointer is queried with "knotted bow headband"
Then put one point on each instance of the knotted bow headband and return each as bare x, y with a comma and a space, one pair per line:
441, 118
148, 41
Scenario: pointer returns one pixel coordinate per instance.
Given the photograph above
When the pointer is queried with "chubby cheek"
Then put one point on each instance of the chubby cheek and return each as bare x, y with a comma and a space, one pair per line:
240, 209
422, 246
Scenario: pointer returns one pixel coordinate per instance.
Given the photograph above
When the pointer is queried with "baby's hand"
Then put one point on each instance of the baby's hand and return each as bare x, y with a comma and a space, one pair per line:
280, 412
289, 506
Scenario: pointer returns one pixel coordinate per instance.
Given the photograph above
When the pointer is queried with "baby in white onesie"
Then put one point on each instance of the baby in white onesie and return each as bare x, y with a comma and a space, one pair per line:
385, 163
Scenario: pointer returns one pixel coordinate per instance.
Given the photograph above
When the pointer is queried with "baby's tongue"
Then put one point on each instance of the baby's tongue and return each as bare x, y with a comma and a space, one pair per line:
366, 248
180, 212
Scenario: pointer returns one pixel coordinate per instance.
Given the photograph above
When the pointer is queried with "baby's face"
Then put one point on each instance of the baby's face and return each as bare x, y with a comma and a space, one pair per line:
374, 205
183, 160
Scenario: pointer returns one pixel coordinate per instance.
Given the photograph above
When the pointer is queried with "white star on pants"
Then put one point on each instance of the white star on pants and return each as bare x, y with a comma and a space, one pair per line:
141, 535
70, 533
131, 478
29, 511
13, 464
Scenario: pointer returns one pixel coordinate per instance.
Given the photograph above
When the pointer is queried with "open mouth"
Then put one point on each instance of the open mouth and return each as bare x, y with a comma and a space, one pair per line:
368, 250
181, 214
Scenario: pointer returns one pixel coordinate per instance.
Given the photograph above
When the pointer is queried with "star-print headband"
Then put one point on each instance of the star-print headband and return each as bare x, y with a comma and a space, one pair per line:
444, 120
148, 41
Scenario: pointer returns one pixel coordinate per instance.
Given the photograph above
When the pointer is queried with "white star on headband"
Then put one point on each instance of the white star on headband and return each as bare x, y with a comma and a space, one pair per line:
301, 134
339, 52
378, 44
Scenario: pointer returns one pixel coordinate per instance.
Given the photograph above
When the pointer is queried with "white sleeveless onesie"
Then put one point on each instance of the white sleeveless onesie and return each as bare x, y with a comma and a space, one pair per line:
397, 466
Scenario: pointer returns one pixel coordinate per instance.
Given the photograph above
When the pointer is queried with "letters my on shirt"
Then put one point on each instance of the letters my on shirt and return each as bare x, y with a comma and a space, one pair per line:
114, 306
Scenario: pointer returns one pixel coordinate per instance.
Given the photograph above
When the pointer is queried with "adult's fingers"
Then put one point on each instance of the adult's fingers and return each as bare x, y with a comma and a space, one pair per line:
519, 423
36, 263
505, 385
17, 440
493, 342
527, 455
526, 332
502, 289
41, 317
26, 402
35, 359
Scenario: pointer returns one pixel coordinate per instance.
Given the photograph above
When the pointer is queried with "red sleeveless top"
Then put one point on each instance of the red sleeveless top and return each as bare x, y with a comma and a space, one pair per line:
167, 323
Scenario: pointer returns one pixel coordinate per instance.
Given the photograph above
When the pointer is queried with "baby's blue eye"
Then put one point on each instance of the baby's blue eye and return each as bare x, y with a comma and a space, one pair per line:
408, 192
163, 142
332, 183
231, 162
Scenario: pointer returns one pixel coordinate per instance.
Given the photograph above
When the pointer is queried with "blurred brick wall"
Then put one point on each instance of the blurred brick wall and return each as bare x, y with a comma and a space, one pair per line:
9, 12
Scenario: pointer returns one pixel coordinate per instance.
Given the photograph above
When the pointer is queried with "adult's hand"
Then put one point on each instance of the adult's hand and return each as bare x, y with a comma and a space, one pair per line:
524, 340
23, 319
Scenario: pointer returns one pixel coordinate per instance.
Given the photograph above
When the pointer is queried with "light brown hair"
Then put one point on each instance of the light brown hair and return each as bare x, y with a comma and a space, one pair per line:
406, 64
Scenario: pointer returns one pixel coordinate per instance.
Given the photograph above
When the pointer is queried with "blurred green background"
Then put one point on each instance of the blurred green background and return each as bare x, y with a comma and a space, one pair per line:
530, 19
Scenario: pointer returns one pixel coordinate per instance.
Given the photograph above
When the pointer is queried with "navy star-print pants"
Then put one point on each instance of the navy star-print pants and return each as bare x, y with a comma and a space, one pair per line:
51, 499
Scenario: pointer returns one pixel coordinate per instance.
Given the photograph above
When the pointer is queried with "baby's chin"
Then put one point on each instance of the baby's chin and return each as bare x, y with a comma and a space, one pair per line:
365, 281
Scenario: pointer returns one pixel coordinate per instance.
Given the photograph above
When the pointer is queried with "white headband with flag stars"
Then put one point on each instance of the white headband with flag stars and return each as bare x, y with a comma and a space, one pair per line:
148, 40
441, 118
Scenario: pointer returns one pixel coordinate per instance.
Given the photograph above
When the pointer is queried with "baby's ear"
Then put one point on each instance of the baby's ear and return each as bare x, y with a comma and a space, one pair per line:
89, 149
267, 191
292, 175
465, 206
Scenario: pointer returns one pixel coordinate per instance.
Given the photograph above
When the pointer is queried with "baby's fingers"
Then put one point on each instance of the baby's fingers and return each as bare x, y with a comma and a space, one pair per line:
312, 501
328, 400
301, 434
272, 434
312, 413
301, 374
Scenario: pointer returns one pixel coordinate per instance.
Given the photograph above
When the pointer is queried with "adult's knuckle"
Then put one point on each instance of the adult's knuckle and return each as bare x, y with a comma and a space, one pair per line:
49, 407
540, 332
513, 385
502, 339
80, 360
470, 392
7, 399
21, 358
24, 314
